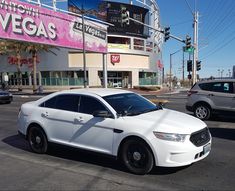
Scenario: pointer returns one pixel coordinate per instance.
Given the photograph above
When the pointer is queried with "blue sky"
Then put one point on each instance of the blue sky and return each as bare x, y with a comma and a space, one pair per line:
216, 33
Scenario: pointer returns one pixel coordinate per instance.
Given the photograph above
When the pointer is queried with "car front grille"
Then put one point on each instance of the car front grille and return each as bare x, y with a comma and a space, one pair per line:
201, 137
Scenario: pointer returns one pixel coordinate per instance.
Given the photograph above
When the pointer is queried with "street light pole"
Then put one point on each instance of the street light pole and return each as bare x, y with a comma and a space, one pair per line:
84, 51
229, 73
195, 53
171, 67
222, 71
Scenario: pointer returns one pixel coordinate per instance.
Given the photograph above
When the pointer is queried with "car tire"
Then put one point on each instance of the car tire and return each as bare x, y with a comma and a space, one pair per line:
202, 112
37, 140
137, 156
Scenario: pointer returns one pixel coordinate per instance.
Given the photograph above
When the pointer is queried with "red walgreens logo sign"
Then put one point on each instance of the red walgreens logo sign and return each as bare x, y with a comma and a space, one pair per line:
115, 58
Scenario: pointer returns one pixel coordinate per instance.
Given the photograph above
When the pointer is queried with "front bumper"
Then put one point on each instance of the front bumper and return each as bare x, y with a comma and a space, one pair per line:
175, 154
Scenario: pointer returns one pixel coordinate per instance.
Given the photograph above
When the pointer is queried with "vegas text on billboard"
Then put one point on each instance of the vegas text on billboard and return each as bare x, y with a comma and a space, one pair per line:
26, 22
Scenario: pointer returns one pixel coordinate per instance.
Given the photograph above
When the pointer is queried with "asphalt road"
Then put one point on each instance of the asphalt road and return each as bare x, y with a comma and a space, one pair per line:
71, 169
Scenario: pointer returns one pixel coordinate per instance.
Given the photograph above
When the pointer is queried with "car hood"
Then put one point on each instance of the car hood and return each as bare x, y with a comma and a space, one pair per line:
169, 121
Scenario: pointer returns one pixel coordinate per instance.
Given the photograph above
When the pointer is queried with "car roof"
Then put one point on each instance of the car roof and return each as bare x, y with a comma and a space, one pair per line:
216, 80
98, 91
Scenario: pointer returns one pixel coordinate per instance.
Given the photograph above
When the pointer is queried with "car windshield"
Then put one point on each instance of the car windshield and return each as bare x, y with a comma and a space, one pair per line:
130, 104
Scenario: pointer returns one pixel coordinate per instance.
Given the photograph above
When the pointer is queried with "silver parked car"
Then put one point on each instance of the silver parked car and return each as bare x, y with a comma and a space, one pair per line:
213, 96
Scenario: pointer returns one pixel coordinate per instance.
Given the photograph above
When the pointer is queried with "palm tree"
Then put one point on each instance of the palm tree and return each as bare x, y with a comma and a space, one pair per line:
34, 49
18, 48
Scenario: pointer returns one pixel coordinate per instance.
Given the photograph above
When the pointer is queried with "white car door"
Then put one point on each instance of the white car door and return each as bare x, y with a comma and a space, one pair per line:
222, 95
93, 133
59, 115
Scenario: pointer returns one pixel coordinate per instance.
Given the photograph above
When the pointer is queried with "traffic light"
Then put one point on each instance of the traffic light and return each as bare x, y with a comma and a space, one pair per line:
188, 42
166, 33
189, 65
125, 14
198, 65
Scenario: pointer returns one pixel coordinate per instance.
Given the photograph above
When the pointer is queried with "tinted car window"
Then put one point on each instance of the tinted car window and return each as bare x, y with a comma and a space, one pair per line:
206, 86
67, 102
88, 105
224, 87
63, 102
49, 103
217, 87
228, 87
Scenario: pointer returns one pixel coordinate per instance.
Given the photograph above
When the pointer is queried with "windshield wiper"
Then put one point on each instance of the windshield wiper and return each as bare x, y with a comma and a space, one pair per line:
133, 113
125, 113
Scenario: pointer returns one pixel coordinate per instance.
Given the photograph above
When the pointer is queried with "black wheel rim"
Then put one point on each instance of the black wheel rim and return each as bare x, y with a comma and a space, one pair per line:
36, 139
137, 156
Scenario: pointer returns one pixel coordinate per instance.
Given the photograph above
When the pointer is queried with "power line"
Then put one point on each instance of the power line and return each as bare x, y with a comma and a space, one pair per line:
220, 22
209, 6
189, 7
180, 23
221, 31
213, 16
219, 48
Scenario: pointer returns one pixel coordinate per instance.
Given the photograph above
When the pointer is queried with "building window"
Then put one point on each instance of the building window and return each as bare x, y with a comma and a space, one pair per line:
149, 46
138, 44
119, 42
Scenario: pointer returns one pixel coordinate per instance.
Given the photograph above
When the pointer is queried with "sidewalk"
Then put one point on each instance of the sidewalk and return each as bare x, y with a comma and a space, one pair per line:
29, 92
49, 91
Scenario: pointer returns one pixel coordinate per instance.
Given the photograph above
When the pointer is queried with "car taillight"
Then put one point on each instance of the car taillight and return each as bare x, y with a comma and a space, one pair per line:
191, 92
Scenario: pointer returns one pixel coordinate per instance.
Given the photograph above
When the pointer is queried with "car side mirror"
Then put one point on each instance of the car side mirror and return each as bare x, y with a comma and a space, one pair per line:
102, 113
160, 105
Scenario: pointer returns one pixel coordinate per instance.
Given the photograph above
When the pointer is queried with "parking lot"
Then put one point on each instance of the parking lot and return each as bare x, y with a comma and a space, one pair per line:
64, 168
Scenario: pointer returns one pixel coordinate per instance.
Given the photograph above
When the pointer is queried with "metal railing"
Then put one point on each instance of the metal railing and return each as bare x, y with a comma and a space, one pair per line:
13, 82
62, 81
148, 81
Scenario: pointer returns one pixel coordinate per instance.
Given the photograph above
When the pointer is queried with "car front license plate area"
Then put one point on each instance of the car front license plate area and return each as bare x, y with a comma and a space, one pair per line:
207, 148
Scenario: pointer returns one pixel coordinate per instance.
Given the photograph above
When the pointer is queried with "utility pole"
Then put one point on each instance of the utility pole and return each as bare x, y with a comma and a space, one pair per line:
195, 53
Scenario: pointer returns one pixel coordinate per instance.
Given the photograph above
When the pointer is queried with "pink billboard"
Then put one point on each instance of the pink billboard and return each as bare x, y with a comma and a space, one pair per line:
27, 22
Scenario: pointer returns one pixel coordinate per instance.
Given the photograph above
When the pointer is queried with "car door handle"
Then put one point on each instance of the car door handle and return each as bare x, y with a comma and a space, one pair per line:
45, 114
210, 94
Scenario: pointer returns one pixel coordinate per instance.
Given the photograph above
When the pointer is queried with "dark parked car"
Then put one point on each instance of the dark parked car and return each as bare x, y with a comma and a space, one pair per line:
5, 96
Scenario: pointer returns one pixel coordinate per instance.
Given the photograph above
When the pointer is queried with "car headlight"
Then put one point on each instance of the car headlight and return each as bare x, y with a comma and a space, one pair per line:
170, 136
